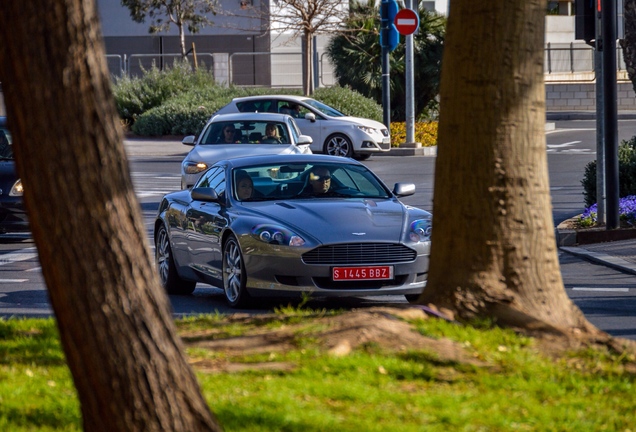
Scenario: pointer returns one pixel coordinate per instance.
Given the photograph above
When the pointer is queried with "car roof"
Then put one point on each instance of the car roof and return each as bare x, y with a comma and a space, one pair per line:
258, 97
250, 116
289, 158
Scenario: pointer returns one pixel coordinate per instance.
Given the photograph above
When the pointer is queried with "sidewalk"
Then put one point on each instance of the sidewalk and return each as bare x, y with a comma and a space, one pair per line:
155, 147
619, 255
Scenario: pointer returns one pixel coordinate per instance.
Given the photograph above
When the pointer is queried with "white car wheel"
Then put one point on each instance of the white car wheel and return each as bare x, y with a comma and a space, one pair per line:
339, 145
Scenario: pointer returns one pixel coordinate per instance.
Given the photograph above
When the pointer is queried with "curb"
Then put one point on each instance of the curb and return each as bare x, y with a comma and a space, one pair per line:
602, 258
406, 151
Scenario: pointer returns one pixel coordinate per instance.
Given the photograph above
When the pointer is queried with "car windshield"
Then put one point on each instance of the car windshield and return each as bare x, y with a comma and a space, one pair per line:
6, 144
291, 181
245, 132
325, 109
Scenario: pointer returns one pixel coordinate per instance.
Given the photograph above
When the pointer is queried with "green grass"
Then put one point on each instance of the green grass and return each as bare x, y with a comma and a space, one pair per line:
368, 390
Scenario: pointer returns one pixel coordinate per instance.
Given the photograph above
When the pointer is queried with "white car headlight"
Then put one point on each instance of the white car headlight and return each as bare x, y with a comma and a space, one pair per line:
420, 230
17, 189
368, 130
277, 235
194, 167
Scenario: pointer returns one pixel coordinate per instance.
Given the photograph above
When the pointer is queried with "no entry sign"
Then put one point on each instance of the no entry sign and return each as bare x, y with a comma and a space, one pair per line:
406, 21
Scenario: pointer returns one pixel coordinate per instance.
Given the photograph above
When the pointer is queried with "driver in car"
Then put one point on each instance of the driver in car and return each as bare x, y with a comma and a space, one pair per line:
319, 182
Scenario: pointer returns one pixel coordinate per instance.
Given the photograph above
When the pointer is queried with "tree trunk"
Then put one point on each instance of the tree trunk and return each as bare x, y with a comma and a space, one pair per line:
493, 246
182, 40
307, 64
629, 42
114, 319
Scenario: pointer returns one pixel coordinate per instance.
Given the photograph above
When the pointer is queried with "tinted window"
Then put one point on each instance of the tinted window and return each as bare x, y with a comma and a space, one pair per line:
6, 144
262, 105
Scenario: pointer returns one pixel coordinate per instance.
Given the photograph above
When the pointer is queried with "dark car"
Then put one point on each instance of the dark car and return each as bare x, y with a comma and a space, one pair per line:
287, 225
13, 217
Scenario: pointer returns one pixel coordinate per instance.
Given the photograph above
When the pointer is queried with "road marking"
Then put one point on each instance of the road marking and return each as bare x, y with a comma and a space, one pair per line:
23, 255
13, 280
568, 130
601, 289
567, 144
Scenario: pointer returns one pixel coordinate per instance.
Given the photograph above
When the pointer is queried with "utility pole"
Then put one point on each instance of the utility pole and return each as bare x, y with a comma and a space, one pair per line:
410, 100
389, 39
610, 117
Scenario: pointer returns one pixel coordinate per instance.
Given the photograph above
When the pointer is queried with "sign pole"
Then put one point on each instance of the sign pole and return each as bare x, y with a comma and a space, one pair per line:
610, 116
407, 23
410, 104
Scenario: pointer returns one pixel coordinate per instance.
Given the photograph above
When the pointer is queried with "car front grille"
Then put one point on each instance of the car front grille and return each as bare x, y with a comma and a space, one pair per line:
360, 253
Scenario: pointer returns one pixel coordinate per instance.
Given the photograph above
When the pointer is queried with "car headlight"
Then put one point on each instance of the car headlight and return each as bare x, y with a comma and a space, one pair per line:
194, 167
368, 130
17, 189
277, 235
420, 230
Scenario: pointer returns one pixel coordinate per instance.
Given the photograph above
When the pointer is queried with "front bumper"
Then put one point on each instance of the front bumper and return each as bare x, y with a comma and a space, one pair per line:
280, 274
13, 217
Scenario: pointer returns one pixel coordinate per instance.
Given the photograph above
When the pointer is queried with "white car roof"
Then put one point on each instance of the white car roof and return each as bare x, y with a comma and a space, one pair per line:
255, 116
258, 97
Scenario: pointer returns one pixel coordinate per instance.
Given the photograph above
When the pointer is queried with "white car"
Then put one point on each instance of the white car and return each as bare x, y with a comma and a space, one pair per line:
332, 132
235, 135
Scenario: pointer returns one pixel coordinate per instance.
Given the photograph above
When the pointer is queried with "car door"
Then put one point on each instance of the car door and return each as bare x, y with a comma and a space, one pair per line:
206, 221
315, 129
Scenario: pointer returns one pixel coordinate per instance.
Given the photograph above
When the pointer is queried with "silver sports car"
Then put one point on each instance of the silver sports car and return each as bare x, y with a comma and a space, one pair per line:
281, 225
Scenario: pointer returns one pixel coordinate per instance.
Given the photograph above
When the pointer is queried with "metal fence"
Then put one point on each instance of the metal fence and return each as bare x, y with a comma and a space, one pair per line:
284, 69
574, 58
242, 68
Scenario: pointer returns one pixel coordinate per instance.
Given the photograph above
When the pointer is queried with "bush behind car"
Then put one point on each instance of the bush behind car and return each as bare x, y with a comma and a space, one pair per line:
626, 173
178, 101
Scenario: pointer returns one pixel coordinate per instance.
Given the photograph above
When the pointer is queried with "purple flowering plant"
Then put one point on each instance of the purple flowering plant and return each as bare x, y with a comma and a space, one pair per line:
626, 212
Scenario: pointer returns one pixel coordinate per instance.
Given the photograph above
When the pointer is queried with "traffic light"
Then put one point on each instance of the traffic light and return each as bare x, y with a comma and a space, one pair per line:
585, 20
389, 36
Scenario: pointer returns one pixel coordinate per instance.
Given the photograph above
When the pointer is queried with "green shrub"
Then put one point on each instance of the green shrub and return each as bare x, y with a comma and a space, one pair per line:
626, 173
178, 101
135, 96
349, 102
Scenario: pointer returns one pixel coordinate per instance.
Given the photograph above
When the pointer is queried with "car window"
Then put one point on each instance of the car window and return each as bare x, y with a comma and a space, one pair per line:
284, 181
294, 130
323, 108
210, 177
246, 132
6, 144
261, 105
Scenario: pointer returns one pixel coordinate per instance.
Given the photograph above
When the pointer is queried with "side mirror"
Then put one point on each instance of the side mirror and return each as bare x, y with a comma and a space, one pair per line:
310, 116
189, 140
404, 189
304, 140
204, 194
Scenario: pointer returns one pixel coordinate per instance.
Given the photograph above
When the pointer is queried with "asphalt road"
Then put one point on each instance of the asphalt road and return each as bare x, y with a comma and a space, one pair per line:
607, 297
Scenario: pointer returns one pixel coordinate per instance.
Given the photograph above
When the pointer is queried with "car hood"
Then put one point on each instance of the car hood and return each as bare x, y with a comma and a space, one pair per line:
338, 220
361, 121
214, 153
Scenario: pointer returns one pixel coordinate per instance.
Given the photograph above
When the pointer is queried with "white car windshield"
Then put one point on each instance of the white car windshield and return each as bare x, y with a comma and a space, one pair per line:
246, 132
325, 109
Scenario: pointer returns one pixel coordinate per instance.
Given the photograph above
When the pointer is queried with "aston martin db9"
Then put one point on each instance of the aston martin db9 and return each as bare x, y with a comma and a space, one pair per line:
282, 225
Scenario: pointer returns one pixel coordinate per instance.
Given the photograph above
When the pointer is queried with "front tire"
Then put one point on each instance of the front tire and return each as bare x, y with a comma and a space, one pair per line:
170, 280
338, 145
234, 274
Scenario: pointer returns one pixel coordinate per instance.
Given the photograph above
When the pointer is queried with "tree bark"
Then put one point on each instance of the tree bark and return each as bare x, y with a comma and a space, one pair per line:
629, 42
114, 319
493, 246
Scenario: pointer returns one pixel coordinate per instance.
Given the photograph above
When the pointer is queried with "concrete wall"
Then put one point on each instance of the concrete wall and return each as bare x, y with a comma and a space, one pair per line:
582, 96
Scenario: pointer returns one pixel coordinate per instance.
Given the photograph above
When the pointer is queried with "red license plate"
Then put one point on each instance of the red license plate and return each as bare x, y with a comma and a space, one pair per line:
362, 273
